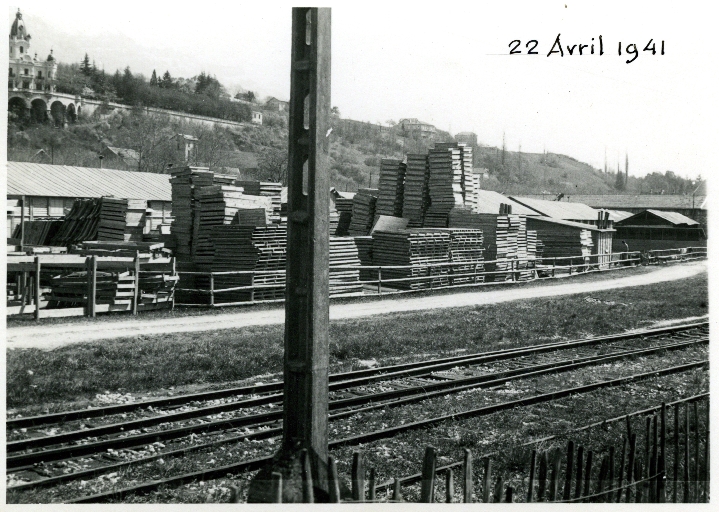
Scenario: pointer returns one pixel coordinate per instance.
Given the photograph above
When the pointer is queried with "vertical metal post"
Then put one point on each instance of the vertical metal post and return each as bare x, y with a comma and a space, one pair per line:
307, 290
37, 287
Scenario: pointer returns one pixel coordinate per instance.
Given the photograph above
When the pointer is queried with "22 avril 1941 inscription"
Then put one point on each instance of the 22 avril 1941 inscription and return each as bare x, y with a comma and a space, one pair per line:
631, 50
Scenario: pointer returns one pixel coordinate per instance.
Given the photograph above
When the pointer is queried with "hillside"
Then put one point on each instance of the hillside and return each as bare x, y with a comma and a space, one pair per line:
260, 152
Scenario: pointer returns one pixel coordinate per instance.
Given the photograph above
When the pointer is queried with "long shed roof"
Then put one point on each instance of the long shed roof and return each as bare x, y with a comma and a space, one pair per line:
489, 201
32, 179
674, 218
559, 209
620, 201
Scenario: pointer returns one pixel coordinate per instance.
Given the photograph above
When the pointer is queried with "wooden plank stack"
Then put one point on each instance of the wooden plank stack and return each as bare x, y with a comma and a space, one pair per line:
390, 196
260, 249
466, 245
564, 241
364, 253
414, 247
343, 252
183, 182
111, 225
135, 219
445, 184
268, 189
416, 189
145, 250
363, 209
38, 232
344, 210
215, 205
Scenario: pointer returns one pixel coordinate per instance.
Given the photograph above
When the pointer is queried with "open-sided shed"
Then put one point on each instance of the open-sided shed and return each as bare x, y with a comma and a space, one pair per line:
656, 229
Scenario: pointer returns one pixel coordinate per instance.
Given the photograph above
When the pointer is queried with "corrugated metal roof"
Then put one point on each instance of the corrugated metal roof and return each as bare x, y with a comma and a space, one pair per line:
674, 218
31, 179
654, 201
617, 215
489, 201
559, 209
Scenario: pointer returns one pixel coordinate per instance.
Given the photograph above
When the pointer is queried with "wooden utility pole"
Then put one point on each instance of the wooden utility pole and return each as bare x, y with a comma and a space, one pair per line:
306, 358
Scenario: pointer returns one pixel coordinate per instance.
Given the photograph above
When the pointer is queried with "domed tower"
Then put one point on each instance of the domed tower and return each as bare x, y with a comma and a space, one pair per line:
19, 38
27, 72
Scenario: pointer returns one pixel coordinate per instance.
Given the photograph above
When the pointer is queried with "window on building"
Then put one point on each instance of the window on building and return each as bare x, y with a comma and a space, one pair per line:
22, 49
39, 74
27, 71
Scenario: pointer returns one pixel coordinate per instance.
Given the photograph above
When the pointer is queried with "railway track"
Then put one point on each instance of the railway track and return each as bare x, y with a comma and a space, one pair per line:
352, 393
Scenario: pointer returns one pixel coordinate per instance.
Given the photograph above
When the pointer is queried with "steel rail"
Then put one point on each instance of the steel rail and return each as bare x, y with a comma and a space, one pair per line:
336, 380
254, 464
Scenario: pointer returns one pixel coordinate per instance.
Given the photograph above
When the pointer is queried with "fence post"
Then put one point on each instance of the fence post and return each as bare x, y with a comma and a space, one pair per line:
468, 486
212, 289
696, 453
630, 465
509, 498
357, 477
37, 287
252, 284
334, 482
553, 478
136, 291
276, 487
610, 476
661, 478
580, 462
487, 480
397, 490
686, 454
621, 469
379, 280
91, 263
449, 486
542, 476
498, 490
588, 473
372, 485
638, 471
173, 261
566, 495
429, 466
532, 465
602, 477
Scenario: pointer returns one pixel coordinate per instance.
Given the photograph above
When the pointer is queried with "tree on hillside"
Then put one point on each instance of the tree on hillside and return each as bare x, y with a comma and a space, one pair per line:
626, 170
153, 79
619, 180
273, 165
209, 86
166, 82
335, 111
213, 147
250, 96
150, 136
85, 66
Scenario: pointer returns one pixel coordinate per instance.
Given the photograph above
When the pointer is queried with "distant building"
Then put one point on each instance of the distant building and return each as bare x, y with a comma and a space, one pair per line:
469, 138
186, 147
26, 72
256, 117
414, 127
120, 158
278, 105
576, 212
655, 229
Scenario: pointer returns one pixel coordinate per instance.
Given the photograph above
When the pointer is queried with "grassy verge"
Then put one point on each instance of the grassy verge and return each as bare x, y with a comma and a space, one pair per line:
155, 363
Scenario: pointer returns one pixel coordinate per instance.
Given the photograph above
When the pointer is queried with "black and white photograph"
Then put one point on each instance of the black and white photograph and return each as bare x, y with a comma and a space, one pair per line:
366, 252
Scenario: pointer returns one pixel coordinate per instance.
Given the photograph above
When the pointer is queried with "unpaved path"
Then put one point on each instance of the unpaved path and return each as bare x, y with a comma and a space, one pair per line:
55, 335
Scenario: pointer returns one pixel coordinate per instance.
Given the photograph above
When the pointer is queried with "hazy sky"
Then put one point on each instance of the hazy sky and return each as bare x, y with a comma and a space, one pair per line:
445, 63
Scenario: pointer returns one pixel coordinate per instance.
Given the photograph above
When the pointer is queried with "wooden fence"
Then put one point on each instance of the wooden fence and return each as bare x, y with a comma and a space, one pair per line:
666, 461
26, 274
439, 275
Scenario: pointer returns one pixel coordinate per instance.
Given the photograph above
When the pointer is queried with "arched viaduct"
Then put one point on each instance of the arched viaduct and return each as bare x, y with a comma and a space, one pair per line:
42, 107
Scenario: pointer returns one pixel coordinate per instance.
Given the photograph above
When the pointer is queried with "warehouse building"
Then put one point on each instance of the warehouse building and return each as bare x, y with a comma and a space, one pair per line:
50, 190
564, 238
655, 229
575, 212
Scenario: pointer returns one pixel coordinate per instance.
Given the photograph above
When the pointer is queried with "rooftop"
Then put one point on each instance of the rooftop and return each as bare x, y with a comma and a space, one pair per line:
655, 201
559, 209
489, 201
32, 179
674, 218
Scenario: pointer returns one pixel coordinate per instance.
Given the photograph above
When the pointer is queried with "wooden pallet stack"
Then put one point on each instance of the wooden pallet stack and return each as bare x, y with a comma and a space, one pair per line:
416, 190
111, 224
364, 253
267, 189
363, 209
343, 281
464, 217
564, 241
415, 248
344, 211
466, 245
38, 232
390, 195
135, 219
259, 249
467, 163
183, 182
445, 184
472, 194
215, 205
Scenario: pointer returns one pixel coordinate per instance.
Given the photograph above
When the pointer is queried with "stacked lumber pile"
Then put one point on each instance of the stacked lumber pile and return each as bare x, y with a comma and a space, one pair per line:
114, 288
414, 247
96, 219
467, 162
261, 250
183, 182
343, 281
267, 189
111, 223
38, 232
445, 184
466, 245
416, 189
215, 205
363, 209
135, 219
390, 195
364, 253
334, 222
471, 199
344, 211
563, 241
464, 217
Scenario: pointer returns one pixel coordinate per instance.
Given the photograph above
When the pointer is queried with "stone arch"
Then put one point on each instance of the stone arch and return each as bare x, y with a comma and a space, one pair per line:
71, 113
57, 111
18, 107
38, 110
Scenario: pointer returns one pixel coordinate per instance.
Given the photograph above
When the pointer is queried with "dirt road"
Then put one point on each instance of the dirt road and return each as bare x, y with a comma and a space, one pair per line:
56, 335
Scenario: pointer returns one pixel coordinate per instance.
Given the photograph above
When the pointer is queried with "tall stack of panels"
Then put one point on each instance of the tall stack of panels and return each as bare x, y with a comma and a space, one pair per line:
344, 211
445, 185
466, 246
390, 195
416, 190
363, 210
111, 225
344, 281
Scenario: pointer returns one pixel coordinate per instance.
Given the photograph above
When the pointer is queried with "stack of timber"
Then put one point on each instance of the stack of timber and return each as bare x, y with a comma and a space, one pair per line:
445, 185
267, 189
38, 232
415, 248
364, 253
416, 189
390, 195
505, 241
215, 205
467, 246
113, 288
111, 225
344, 210
344, 281
471, 199
363, 209
260, 251
183, 182
464, 217
564, 241
334, 222
135, 219
467, 162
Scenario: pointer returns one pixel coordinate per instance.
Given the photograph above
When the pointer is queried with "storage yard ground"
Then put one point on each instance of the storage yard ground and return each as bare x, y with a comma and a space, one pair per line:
143, 366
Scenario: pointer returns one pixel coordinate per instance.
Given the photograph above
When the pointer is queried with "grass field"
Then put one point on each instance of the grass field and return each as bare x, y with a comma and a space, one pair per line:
152, 364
